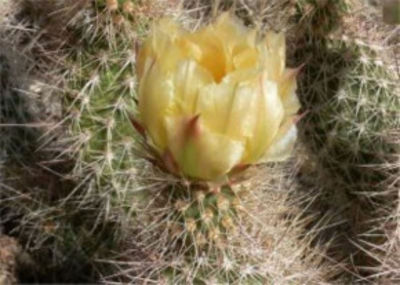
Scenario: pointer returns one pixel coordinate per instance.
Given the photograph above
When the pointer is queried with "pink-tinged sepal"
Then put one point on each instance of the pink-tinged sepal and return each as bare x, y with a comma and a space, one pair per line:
239, 169
299, 69
299, 117
292, 73
170, 162
137, 126
193, 129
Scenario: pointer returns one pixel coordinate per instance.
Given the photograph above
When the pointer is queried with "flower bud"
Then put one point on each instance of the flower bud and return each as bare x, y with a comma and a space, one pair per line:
216, 98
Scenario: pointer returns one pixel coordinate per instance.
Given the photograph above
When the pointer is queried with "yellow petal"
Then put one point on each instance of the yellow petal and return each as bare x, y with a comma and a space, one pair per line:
226, 108
213, 105
156, 94
231, 31
245, 59
188, 79
241, 120
269, 115
160, 40
244, 107
143, 55
282, 145
161, 46
229, 27
287, 91
243, 75
274, 55
203, 155
223, 47
218, 154
238, 42
208, 52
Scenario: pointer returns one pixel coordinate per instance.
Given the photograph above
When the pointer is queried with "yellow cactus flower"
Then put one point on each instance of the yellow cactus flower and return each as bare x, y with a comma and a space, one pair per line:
216, 98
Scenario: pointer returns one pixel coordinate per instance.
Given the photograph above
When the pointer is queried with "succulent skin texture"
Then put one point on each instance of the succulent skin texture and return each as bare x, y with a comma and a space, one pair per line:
216, 98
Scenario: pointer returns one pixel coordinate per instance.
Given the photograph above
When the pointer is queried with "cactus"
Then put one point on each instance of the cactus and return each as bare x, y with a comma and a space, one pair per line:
15, 114
57, 211
110, 199
182, 230
352, 102
243, 234
41, 202
387, 252
318, 18
350, 98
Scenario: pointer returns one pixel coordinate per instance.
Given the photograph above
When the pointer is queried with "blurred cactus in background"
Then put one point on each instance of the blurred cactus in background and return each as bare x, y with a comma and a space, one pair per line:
353, 104
391, 11
15, 109
319, 18
350, 95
